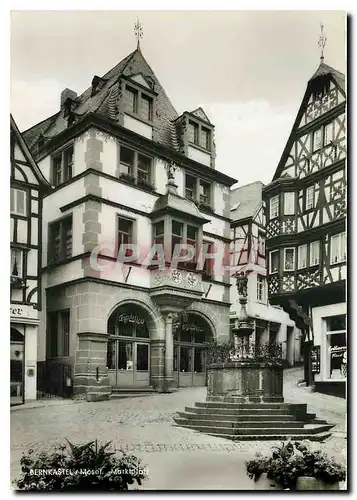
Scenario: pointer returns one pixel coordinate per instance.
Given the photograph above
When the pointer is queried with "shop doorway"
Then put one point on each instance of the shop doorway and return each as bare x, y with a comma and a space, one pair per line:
191, 335
128, 353
17, 349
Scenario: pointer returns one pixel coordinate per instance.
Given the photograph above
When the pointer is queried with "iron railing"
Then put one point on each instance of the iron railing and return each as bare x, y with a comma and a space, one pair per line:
53, 380
223, 352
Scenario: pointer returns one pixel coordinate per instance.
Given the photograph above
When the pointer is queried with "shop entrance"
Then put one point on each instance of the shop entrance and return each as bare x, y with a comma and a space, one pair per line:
128, 354
16, 367
191, 335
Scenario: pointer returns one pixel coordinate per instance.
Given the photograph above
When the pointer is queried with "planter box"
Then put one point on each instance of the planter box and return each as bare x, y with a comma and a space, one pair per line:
263, 483
313, 484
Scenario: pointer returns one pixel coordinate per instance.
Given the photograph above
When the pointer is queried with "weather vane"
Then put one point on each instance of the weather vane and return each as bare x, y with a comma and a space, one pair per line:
322, 41
138, 30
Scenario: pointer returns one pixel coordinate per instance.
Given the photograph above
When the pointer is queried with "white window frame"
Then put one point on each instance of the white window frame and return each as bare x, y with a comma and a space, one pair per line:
14, 193
302, 265
289, 203
17, 254
270, 260
293, 249
315, 132
311, 260
341, 253
326, 128
310, 197
274, 204
260, 288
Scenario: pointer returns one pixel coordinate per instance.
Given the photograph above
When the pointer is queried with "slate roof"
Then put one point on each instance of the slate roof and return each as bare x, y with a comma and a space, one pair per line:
248, 198
104, 103
325, 69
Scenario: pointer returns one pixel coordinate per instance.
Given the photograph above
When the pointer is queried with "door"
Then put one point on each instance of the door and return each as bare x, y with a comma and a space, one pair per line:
16, 368
142, 357
128, 363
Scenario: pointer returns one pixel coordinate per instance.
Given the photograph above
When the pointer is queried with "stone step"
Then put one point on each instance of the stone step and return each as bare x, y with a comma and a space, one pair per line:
241, 411
273, 437
208, 429
271, 406
132, 389
123, 395
237, 417
281, 424
248, 399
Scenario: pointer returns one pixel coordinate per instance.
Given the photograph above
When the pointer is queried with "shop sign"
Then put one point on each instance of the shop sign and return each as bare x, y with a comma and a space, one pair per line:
130, 318
25, 311
315, 359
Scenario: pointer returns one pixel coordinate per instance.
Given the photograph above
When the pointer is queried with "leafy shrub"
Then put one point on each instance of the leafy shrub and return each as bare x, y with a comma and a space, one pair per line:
80, 468
292, 460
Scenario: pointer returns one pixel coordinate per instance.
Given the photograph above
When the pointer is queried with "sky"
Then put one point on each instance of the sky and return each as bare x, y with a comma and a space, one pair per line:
247, 69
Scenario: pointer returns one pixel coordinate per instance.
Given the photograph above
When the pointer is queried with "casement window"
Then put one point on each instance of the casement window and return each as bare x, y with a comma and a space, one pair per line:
274, 261
62, 166
205, 138
18, 201
60, 240
204, 192
302, 256
132, 99
191, 239
58, 331
191, 187
260, 288
193, 132
143, 170
289, 259
177, 237
16, 263
159, 235
198, 190
135, 167
317, 139
310, 197
274, 207
328, 134
261, 244
338, 248
127, 157
208, 265
314, 253
289, 203
146, 107
125, 233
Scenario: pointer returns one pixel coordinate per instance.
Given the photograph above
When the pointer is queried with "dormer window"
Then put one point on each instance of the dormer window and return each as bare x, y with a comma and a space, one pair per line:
199, 135
139, 103
205, 138
146, 108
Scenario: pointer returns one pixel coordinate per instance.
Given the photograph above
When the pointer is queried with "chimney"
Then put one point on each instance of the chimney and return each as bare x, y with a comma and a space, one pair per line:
67, 94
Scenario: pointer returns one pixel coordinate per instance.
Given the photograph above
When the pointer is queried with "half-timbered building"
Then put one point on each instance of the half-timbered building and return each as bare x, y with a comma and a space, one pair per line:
306, 228
27, 185
272, 324
126, 168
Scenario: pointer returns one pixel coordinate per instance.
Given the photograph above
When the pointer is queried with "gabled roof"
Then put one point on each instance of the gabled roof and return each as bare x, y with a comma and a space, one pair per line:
104, 103
324, 70
201, 114
25, 150
248, 199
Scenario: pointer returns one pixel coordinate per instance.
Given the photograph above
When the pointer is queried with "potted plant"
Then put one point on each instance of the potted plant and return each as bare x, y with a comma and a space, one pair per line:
294, 466
87, 467
127, 178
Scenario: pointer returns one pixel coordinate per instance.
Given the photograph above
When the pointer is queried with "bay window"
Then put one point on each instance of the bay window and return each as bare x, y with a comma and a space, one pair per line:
274, 207
317, 139
289, 259
289, 203
302, 256
260, 288
274, 261
314, 253
338, 248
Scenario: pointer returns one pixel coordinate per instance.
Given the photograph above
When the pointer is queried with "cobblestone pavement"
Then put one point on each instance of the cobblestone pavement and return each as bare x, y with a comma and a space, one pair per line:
177, 458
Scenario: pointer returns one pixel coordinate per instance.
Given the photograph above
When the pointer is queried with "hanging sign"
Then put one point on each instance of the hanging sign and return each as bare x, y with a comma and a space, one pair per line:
315, 359
130, 318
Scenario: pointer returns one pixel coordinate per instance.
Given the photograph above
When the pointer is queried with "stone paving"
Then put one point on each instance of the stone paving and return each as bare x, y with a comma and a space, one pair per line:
177, 458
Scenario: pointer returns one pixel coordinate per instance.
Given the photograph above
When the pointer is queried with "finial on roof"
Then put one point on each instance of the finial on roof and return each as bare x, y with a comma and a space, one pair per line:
170, 168
322, 41
139, 33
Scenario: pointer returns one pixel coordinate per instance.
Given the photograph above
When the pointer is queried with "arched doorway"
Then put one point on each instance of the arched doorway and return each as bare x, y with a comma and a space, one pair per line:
191, 334
16, 367
128, 353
